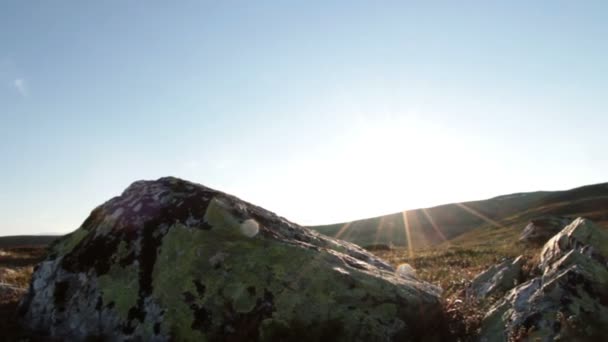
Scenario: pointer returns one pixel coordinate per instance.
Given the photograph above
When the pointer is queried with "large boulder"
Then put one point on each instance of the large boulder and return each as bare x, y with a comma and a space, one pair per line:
568, 302
174, 260
497, 279
541, 229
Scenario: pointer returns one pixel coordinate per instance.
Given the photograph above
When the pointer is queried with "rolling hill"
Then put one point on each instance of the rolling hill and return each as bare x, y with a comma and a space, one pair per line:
19, 241
476, 222
484, 221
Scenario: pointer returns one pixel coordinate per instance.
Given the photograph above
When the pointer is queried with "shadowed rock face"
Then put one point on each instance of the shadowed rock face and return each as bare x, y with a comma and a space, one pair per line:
541, 229
568, 302
174, 260
498, 278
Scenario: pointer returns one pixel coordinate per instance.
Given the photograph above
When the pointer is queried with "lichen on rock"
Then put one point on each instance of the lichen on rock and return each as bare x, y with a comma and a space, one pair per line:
174, 260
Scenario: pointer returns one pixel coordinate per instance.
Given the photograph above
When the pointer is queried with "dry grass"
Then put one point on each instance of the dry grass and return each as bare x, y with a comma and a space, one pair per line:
16, 267
453, 268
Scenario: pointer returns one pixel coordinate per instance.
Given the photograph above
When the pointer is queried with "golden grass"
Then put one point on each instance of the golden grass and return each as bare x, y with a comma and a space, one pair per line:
16, 268
453, 267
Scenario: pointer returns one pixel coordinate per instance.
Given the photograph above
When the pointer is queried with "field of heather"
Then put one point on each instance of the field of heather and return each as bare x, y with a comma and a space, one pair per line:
16, 267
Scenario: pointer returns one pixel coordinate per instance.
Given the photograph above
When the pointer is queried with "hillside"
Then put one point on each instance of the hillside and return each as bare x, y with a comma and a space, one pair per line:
500, 217
483, 221
26, 240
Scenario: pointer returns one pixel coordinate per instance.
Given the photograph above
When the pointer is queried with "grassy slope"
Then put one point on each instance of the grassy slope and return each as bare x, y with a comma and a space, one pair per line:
452, 222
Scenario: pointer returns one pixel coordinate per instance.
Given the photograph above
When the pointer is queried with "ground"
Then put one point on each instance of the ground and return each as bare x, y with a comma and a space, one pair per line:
453, 268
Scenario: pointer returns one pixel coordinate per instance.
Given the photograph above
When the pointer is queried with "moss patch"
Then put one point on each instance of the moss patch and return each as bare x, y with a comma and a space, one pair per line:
70, 241
120, 286
266, 281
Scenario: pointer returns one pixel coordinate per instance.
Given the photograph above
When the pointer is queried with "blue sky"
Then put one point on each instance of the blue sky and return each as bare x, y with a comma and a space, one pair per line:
322, 111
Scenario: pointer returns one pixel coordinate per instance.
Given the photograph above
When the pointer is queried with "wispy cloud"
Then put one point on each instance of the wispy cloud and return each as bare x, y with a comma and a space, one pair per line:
21, 86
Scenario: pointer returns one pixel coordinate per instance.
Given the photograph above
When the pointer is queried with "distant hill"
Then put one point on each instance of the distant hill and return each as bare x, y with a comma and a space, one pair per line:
478, 222
500, 217
26, 241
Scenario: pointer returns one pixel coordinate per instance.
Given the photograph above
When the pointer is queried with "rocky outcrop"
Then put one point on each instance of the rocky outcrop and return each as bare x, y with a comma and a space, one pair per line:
174, 260
497, 279
568, 302
541, 229
581, 235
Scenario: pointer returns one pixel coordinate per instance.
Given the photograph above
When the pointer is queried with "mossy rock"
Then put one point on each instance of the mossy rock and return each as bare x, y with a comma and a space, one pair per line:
174, 260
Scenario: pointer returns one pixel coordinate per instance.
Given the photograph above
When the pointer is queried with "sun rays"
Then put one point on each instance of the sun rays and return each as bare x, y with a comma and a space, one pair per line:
408, 234
379, 229
434, 225
479, 215
415, 229
342, 230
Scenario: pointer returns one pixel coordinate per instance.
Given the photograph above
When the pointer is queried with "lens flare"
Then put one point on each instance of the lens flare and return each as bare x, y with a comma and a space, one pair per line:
406, 226
480, 215
434, 225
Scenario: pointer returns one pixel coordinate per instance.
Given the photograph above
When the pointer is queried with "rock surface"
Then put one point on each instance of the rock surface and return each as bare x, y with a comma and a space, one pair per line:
581, 235
568, 302
541, 229
174, 260
497, 279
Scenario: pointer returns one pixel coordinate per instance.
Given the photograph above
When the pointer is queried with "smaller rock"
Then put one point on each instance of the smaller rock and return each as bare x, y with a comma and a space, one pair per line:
569, 302
582, 235
406, 271
539, 230
497, 279
575, 288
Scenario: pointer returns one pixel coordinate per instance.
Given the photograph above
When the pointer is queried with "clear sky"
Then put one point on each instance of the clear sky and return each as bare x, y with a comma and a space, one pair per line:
322, 111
